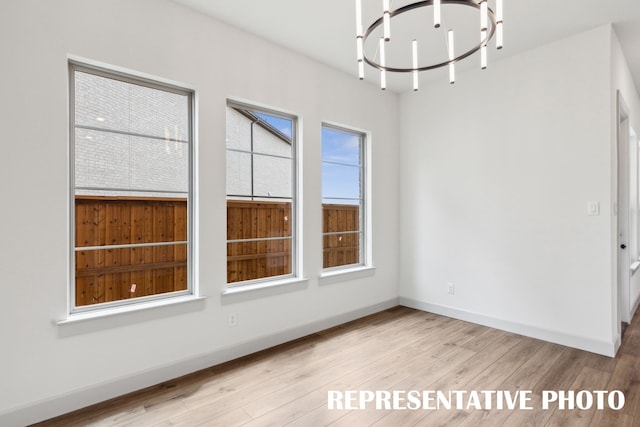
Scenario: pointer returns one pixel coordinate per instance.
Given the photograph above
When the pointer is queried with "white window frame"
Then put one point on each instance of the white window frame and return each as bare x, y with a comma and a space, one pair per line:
144, 302
296, 268
365, 211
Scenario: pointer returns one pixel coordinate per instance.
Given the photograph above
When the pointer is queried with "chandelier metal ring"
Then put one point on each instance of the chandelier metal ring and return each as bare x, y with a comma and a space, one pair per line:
490, 31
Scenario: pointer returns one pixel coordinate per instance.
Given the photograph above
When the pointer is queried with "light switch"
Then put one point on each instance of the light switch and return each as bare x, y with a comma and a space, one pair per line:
593, 208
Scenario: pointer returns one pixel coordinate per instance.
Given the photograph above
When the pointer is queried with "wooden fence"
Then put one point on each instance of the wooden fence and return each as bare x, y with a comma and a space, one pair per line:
258, 220
340, 249
267, 258
109, 274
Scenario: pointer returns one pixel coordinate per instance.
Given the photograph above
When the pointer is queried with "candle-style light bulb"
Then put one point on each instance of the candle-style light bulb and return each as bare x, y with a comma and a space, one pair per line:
386, 20
483, 50
414, 54
484, 15
499, 34
359, 40
383, 73
436, 13
452, 67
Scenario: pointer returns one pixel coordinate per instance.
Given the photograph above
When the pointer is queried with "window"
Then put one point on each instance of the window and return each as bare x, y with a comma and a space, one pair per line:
343, 204
261, 203
131, 145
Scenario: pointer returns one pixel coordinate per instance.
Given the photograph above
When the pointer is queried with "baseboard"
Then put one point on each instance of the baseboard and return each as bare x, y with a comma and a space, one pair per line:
582, 343
635, 307
77, 399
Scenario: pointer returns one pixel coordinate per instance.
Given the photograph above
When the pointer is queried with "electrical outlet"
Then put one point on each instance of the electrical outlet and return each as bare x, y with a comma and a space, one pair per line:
451, 289
232, 320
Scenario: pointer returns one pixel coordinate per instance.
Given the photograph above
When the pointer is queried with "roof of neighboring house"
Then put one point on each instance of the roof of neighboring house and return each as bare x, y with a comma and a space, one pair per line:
264, 124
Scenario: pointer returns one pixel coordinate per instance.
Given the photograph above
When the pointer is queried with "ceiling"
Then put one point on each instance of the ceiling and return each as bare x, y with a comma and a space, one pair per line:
325, 30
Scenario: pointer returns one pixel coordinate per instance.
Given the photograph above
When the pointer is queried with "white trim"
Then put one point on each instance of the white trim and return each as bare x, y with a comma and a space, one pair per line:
342, 274
583, 343
129, 308
635, 306
368, 199
76, 65
116, 69
296, 198
263, 285
80, 398
366, 228
623, 219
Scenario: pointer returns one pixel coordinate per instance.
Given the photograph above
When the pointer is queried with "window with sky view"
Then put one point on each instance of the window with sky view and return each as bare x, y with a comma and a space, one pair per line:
342, 196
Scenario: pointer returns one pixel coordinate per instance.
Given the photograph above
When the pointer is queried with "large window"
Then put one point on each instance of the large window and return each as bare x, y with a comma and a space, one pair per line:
131, 142
260, 194
343, 204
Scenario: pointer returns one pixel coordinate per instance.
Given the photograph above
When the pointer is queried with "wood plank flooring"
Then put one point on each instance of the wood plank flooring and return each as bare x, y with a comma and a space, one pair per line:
398, 349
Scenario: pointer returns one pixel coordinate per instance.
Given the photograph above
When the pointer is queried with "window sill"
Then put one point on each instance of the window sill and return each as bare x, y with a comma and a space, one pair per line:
250, 291
347, 273
130, 308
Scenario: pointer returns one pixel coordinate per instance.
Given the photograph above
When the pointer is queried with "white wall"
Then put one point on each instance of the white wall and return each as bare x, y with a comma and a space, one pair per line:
496, 174
48, 369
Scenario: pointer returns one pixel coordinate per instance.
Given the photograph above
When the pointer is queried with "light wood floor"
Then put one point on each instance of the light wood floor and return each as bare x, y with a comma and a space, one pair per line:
398, 349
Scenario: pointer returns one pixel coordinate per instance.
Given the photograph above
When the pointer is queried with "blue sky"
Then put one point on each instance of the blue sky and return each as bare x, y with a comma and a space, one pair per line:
340, 166
283, 125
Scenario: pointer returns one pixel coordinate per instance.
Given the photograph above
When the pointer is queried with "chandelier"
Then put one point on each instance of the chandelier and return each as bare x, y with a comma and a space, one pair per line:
490, 23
